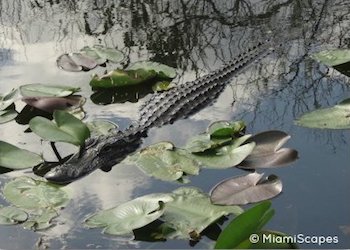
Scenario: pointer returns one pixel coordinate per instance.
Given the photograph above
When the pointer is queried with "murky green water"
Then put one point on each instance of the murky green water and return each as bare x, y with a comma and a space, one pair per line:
195, 37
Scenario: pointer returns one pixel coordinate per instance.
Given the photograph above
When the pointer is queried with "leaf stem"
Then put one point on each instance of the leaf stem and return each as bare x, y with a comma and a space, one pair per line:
53, 146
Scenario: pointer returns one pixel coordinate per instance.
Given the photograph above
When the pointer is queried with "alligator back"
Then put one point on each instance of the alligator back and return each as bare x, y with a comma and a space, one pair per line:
187, 98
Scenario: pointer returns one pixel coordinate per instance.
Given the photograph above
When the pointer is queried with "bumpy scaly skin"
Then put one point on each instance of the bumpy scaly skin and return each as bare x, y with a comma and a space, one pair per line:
179, 102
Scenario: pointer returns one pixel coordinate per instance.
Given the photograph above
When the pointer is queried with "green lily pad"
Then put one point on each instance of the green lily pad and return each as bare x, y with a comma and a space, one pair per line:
226, 156
333, 57
163, 71
102, 127
27, 193
40, 221
12, 216
244, 225
66, 128
104, 53
163, 161
337, 117
191, 212
203, 142
131, 215
7, 115
8, 99
122, 78
162, 86
224, 129
245, 189
43, 90
15, 158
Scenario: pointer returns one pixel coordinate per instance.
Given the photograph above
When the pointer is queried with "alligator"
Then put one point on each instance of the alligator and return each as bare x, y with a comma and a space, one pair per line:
105, 151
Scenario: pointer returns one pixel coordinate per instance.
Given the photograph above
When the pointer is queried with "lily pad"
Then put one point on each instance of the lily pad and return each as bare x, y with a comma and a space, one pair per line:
50, 104
131, 215
7, 115
66, 128
226, 156
268, 151
8, 99
163, 161
163, 71
12, 216
224, 129
191, 212
333, 57
27, 193
15, 158
122, 78
40, 221
162, 86
102, 127
244, 225
101, 53
66, 62
245, 189
337, 117
42, 90
203, 142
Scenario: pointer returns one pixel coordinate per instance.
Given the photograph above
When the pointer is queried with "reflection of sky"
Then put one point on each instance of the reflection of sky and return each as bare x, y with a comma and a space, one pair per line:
315, 187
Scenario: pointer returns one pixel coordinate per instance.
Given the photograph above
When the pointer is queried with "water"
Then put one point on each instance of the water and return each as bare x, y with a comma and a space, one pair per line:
195, 37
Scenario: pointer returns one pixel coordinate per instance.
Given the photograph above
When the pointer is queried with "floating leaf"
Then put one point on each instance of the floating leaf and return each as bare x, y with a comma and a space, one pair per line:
203, 142
15, 158
50, 104
245, 189
333, 57
12, 215
84, 61
162, 86
224, 129
40, 221
43, 90
244, 225
110, 54
65, 62
28, 193
191, 212
66, 128
122, 78
337, 117
7, 115
226, 156
8, 99
131, 215
165, 162
163, 71
102, 127
268, 152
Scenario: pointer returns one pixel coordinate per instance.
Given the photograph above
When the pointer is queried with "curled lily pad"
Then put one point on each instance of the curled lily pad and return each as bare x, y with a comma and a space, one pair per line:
163, 71
244, 225
131, 215
65, 128
336, 117
203, 142
12, 215
15, 158
163, 161
27, 193
7, 115
226, 156
224, 129
268, 151
8, 99
43, 90
50, 104
191, 212
122, 78
245, 189
101, 53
